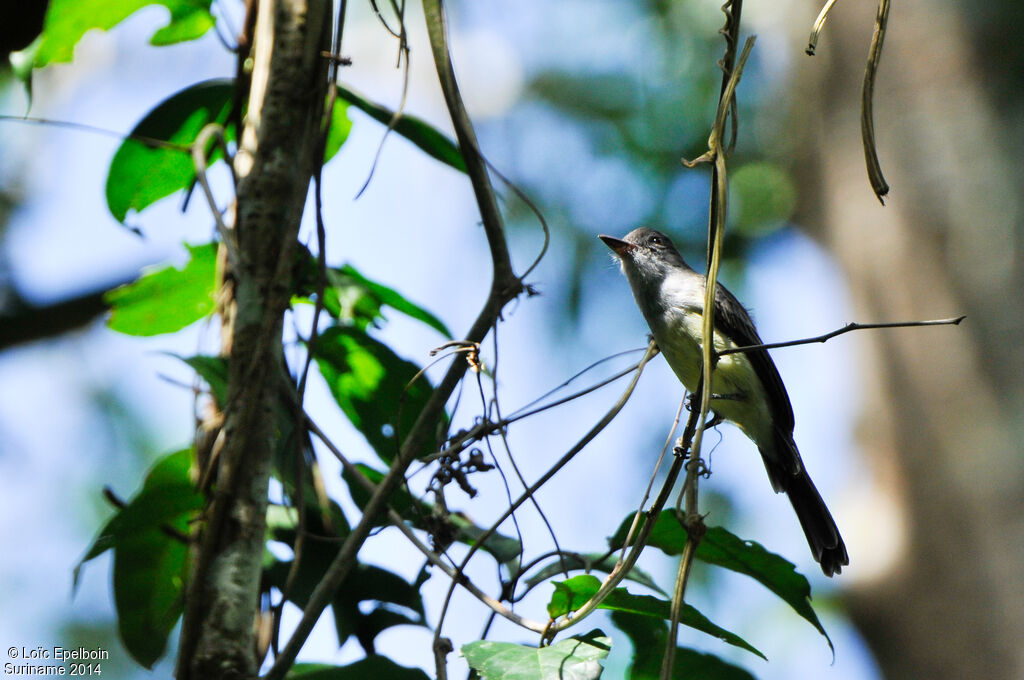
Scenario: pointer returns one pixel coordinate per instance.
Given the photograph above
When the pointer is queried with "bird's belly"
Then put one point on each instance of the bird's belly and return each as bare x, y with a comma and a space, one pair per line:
742, 398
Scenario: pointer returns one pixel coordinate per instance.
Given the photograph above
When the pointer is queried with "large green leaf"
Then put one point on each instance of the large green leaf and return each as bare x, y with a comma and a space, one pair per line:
370, 667
724, 549
368, 601
401, 501
347, 277
140, 173
356, 300
576, 658
433, 142
68, 20
168, 299
570, 595
373, 386
774, 572
393, 602
150, 562
649, 637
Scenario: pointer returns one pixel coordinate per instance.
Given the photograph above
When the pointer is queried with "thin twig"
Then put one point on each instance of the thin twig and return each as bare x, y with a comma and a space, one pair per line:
84, 127
505, 286
396, 116
227, 235
502, 434
398, 522
528, 493
484, 429
654, 475
852, 326
576, 375
623, 567
716, 233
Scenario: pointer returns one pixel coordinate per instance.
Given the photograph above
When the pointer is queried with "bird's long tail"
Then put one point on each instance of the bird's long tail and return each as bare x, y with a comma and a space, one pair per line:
819, 527
787, 473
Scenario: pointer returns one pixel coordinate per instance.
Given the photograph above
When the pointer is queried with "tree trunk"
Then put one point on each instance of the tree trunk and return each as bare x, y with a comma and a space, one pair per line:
941, 423
274, 164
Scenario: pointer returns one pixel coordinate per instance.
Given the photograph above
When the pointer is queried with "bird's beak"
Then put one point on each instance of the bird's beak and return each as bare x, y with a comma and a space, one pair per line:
621, 248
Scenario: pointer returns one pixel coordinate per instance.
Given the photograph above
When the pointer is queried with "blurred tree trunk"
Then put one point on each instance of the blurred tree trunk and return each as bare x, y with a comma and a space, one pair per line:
941, 420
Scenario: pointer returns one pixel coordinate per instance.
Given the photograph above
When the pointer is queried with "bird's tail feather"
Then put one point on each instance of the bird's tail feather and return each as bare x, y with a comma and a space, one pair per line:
819, 527
787, 473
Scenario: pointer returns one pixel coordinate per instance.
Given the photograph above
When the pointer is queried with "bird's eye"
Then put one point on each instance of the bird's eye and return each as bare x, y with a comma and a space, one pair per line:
657, 241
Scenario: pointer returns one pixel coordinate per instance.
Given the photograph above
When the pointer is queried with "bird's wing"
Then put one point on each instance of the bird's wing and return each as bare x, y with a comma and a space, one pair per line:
732, 320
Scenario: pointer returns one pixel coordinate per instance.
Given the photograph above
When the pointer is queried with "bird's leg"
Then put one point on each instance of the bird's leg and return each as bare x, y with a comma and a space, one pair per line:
714, 421
692, 403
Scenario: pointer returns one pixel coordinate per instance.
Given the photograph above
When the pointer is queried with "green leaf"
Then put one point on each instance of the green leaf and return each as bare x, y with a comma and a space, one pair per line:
68, 20
722, 548
341, 126
572, 594
431, 141
150, 564
141, 174
214, 370
390, 594
348, 276
667, 535
589, 562
166, 491
374, 387
324, 527
401, 501
150, 572
577, 658
649, 637
693, 665
351, 297
394, 601
167, 299
503, 548
777, 574
370, 667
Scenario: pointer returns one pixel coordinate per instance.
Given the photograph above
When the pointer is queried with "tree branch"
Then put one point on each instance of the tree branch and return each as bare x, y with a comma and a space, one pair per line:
852, 326
28, 323
274, 164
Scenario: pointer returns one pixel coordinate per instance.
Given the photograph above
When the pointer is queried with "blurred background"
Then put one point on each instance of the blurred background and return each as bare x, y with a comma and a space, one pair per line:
912, 435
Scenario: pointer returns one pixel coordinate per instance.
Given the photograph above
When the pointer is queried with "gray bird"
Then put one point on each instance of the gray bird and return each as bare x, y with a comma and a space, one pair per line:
746, 387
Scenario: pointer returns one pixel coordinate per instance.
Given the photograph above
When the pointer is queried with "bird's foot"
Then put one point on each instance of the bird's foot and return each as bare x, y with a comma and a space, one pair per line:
692, 402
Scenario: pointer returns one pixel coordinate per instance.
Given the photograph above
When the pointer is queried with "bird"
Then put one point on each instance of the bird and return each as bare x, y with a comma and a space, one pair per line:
746, 388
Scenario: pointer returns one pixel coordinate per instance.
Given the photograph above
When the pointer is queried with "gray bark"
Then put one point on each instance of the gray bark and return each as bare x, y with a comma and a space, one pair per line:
274, 165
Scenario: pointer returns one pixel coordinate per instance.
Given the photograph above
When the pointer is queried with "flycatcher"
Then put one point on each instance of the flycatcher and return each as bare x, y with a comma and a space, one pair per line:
745, 389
